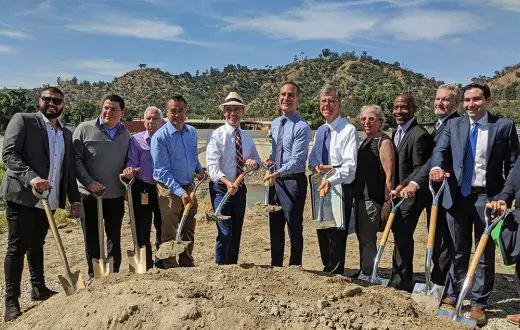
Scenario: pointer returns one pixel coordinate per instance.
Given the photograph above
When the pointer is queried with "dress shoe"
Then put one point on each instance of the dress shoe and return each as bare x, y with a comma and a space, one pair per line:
448, 302
514, 319
41, 293
478, 315
12, 309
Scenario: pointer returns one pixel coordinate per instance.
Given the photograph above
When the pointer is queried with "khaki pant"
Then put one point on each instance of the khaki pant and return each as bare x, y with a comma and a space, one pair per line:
171, 213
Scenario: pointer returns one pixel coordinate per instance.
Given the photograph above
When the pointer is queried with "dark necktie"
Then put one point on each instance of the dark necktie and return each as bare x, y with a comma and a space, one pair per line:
469, 161
238, 148
325, 151
279, 144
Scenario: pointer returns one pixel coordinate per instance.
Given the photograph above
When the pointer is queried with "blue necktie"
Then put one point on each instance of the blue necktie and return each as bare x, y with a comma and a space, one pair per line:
469, 161
279, 144
325, 151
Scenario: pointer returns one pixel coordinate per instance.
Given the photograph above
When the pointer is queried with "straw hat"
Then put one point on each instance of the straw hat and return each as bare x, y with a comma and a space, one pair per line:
233, 98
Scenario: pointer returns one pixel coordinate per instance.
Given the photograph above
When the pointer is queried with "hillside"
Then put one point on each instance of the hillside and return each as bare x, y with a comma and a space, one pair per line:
361, 79
506, 91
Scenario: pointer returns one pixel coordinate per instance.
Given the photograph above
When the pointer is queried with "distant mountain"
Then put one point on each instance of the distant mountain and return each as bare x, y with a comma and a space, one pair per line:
505, 86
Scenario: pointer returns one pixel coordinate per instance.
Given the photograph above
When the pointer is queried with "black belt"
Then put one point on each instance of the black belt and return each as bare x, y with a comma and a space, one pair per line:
478, 190
291, 176
184, 186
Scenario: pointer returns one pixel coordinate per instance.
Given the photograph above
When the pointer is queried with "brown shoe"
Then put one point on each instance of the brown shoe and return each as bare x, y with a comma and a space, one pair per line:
478, 315
447, 302
514, 319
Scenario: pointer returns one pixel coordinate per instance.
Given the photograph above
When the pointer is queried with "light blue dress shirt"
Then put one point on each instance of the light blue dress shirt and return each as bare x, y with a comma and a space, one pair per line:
174, 155
111, 132
296, 139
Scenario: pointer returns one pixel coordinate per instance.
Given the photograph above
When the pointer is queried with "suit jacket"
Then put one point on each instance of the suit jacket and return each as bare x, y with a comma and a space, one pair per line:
26, 156
413, 152
422, 178
502, 152
510, 235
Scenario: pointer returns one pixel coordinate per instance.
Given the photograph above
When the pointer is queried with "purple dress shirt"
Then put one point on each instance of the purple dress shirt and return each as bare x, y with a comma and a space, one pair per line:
139, 155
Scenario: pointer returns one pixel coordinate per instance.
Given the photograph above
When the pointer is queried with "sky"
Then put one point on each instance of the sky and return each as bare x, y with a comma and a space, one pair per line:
451, 40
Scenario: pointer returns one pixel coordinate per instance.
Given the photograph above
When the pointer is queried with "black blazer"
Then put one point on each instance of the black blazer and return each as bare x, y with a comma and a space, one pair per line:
26, 156
413, 152
502, 152
422, 178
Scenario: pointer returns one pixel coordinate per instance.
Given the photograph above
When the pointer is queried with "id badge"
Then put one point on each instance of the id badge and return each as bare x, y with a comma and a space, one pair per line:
144, 198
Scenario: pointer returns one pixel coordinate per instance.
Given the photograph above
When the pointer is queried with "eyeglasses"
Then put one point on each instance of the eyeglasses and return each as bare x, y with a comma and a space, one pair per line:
55, 100
370, 119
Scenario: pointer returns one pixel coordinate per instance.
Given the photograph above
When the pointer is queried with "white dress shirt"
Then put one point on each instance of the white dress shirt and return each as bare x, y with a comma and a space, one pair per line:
343, 150
221, 152
479, 171
56, 154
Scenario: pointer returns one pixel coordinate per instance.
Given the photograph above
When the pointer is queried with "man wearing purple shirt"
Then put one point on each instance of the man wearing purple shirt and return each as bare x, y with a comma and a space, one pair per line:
144, 192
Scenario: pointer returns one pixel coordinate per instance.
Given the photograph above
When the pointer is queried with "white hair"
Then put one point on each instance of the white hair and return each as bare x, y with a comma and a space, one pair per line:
152, 108
454, 89
379, 112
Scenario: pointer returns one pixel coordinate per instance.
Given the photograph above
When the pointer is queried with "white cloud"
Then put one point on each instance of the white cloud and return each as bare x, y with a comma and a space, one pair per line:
6, 49
41, 7
357, 19
100, 67
431, 24
14, 34
513, 5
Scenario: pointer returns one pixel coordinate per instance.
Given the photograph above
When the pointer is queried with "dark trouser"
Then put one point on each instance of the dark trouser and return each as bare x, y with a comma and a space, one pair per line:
368, 217
466, 215
27, 228
113, 211
517, 278
230, 230
441, 257
332, 243
289, 192
406, 219
143, 217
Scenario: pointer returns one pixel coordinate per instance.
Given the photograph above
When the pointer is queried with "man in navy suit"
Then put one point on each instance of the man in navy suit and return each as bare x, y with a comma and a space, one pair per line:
480, 149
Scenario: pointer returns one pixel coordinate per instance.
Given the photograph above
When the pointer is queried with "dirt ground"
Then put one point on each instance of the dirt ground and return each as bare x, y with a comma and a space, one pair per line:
251, 295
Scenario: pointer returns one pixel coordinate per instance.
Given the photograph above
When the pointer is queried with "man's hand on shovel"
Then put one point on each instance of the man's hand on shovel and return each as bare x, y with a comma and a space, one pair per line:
186, 199
40, 185
130, 172
499, 207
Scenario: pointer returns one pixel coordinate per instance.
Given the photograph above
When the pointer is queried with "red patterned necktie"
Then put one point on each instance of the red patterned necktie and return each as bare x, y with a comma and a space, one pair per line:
238, 147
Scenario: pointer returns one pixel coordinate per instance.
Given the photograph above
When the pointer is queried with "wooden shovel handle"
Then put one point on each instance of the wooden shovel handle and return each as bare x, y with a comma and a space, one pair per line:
388, 227
322, 192
266, 175
238, 180
478, 253
433, 227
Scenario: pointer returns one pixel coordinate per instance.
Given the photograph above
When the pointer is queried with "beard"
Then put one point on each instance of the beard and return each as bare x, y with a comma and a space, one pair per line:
51, 115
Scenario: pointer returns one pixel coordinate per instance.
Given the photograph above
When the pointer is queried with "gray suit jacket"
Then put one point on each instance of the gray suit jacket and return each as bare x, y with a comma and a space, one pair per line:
26, 156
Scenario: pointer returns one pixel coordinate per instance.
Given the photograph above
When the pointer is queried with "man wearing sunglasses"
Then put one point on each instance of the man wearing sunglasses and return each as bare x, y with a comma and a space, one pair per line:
38, 154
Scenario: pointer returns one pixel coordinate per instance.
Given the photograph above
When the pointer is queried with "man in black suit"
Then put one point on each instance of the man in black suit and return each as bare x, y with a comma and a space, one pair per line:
481, 149
414, 145
38, 154
445, 109
510, 234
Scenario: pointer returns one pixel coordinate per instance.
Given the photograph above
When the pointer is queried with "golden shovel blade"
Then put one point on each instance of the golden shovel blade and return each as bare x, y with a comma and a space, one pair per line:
102, 267
73, 283
137, 260
171, 249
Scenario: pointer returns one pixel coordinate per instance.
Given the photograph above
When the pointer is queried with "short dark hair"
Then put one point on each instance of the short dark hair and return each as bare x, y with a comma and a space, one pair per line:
115, 98
412, 102
289, 82
53, 90
177, 98
480, 85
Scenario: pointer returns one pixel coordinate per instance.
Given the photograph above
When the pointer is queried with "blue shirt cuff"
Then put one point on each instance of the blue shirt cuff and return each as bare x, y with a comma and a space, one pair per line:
179, 191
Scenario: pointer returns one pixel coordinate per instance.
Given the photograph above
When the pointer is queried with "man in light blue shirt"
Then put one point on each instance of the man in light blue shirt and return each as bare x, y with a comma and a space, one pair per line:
291, 135
175, 161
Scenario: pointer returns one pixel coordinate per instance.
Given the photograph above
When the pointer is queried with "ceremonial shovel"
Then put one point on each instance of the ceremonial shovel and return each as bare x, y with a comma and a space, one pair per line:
321, 223
218, 212
382, 243
429, 288
71, 282
137, 256
267, 207
468, 281
102, 266
175, 247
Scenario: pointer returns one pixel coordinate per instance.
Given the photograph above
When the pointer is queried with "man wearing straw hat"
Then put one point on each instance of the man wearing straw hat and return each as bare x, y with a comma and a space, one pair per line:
229, 148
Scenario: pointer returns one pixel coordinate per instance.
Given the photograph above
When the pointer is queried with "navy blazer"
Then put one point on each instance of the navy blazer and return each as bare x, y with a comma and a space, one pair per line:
502, 152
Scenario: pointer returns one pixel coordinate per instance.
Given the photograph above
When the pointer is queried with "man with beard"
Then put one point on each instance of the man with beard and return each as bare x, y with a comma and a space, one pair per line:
414, 145
139, 164
100, 146
38, 154
445, 109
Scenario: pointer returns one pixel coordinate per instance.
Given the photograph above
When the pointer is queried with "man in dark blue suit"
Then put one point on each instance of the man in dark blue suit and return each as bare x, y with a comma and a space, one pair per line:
480, 149
445, 109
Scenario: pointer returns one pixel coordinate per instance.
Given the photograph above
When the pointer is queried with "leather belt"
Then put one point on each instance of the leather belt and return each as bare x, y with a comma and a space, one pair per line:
478, 190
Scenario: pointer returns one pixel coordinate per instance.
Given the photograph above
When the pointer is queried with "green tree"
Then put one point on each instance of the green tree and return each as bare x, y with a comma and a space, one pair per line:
79, 112
11, 102
310, 111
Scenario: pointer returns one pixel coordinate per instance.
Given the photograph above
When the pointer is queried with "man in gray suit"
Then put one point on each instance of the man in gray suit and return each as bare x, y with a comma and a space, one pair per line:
38, 154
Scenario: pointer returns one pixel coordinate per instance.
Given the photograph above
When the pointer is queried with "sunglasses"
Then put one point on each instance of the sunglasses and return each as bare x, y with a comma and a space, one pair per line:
55, 100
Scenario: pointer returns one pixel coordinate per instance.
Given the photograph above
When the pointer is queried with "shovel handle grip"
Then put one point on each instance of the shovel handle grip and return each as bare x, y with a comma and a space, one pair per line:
126, 182
478, 253
433, 227
266, 175
239, 180
322, 192
388, 227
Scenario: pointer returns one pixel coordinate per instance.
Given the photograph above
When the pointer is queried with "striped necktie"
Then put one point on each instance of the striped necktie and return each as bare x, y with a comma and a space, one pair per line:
238, 150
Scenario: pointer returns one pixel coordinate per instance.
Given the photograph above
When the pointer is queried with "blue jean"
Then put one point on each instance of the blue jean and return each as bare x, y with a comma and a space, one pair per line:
229, 231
